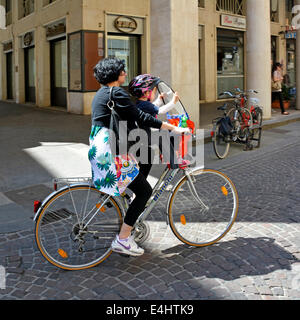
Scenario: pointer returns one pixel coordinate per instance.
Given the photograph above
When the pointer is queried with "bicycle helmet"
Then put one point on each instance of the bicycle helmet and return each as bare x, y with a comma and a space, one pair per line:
141, 84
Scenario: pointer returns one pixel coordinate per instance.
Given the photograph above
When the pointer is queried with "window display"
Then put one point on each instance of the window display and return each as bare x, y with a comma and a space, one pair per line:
230, 60
126, 48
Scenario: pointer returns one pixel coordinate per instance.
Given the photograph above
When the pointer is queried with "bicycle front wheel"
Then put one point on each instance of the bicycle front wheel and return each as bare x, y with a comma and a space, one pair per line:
76, 227
221, 146
203, 207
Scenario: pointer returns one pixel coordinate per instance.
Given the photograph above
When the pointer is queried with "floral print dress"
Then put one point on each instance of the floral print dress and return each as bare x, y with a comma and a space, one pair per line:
110, 174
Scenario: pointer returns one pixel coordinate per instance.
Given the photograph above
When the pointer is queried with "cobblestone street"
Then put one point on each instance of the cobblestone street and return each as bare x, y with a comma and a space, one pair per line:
258, 259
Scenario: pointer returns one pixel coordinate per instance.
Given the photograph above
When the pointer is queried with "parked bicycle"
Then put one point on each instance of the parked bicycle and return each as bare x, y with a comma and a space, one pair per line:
241, 123
76, 224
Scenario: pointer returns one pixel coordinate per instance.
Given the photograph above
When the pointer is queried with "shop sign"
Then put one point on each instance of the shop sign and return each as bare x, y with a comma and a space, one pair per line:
233, 21
291, 35
125, 24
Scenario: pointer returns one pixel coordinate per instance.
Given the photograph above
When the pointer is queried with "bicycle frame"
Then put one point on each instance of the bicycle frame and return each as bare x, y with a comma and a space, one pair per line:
160, 187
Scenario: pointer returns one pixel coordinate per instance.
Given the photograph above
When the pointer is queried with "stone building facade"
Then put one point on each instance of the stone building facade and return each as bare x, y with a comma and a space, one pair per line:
200, 47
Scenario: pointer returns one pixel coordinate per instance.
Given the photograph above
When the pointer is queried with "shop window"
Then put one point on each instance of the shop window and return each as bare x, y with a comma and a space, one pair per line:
201, 3
25, 7
46, 2
273, 49
274, 10
230, 60
231, 6
8, 9
126, 48
86, 48
291, 63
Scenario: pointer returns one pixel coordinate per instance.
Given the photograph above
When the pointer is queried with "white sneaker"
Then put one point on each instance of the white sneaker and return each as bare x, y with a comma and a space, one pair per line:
126, 246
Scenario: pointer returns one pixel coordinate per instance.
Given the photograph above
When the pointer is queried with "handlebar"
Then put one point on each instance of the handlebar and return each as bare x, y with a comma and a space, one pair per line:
240, 93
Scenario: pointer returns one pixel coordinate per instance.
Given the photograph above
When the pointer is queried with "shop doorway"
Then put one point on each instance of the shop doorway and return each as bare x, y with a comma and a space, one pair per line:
59, 75
29, 75
127, 48
9, 75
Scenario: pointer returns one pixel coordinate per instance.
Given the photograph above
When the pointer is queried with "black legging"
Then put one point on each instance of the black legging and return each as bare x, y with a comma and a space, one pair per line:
143, 191
278, 95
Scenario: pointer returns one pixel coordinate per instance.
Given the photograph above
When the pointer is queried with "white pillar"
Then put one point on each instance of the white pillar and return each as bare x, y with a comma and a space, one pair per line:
259, 51
174, 49
297, 2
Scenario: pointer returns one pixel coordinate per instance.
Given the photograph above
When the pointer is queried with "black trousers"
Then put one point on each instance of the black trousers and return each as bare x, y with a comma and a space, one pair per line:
142, 190
278, 96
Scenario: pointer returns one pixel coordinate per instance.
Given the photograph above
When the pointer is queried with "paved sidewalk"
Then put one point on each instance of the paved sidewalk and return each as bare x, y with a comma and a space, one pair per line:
258, 259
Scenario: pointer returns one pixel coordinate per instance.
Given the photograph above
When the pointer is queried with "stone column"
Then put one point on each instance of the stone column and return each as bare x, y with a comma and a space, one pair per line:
174, 49
259, 52
297, 2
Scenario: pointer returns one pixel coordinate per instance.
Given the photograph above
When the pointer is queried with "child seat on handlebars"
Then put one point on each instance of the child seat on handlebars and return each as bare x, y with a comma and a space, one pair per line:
182, 121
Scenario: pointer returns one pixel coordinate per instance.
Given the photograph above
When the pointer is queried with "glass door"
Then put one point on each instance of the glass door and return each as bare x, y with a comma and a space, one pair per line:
29, 74
126, 48
59, 74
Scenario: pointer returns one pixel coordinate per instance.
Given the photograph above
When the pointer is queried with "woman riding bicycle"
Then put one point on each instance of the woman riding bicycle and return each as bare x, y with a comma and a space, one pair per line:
110, 73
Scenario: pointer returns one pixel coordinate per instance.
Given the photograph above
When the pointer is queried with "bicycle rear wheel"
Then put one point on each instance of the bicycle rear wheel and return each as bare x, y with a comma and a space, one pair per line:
221, 146
76, 227
203, 209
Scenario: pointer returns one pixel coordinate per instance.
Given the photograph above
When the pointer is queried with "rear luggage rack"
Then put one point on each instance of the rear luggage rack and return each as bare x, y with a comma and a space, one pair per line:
59, 182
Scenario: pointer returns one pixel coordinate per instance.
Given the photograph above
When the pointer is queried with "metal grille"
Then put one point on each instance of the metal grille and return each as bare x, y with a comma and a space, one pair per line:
232, 6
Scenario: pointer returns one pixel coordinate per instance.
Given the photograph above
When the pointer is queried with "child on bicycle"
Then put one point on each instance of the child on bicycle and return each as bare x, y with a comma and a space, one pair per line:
144, 88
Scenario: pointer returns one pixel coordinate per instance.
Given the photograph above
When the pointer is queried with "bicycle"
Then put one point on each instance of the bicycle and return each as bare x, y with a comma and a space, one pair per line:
242, 125
75, 225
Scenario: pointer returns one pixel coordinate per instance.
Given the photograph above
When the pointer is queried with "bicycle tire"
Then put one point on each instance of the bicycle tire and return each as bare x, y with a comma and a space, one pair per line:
189, 221
221, 147
257, 132
58, 225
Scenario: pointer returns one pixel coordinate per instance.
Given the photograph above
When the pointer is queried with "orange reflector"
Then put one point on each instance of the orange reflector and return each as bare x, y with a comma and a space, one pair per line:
182, 219
225, 191
62, 253
98, 205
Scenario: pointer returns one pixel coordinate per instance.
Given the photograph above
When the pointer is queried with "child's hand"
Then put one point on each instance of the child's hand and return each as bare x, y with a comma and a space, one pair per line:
176, 98
162, 96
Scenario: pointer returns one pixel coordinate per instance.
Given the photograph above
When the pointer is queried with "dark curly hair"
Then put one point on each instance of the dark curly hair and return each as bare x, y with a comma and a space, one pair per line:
108, 70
